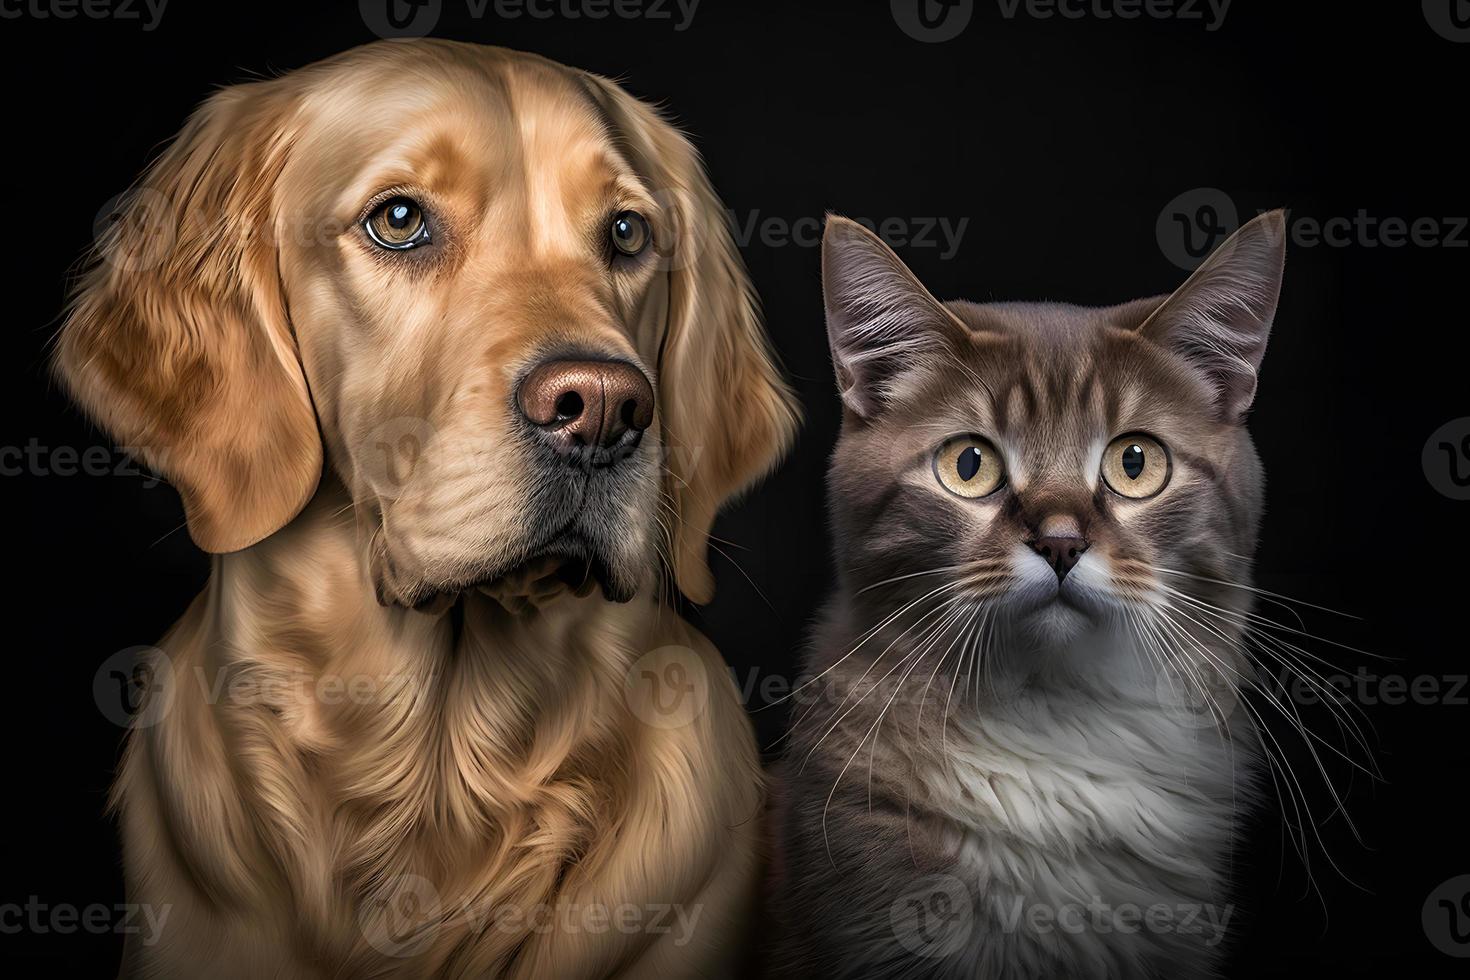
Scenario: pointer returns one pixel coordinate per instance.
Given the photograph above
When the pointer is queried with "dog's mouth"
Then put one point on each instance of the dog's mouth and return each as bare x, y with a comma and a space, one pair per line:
566, 567
579, 574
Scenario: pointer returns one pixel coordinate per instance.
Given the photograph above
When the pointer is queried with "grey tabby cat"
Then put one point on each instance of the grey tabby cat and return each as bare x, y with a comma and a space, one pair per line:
1019, 757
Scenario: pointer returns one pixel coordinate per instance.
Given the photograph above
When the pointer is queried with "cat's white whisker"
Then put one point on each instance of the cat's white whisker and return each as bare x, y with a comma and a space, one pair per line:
1293, 717
1257, 590
1293, 658
901, 578
1276, 762
839, 712
913, 654
923, 653
948, 586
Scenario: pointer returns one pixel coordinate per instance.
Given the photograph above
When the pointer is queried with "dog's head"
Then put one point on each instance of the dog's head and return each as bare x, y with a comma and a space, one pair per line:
497, 296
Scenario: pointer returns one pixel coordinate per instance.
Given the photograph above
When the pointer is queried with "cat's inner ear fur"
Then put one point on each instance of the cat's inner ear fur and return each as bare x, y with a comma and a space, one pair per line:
1220, 319
881, 321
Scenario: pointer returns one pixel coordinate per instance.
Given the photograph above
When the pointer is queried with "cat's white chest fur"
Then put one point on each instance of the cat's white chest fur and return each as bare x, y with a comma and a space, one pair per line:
1092, 833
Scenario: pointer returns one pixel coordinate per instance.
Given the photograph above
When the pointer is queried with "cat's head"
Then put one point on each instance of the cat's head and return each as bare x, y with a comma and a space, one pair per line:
1056, 469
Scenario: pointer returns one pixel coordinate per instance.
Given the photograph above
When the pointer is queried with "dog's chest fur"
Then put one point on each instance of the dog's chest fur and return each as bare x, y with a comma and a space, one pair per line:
385, 795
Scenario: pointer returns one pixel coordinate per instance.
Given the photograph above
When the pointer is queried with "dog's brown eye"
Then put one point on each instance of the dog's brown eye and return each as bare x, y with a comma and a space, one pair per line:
630, 234
398, 223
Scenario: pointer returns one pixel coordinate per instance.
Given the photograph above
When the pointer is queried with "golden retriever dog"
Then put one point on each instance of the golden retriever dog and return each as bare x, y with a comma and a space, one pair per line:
452, 360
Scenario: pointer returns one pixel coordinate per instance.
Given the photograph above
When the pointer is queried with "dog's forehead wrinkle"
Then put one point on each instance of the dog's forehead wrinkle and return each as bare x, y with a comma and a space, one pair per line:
527, 138
567, 166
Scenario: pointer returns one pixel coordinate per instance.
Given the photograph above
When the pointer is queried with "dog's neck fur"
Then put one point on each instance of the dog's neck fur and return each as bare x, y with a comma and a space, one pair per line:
347, 745
301, 602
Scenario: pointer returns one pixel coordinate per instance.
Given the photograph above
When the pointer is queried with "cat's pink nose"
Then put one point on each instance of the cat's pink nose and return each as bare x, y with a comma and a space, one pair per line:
1060, 552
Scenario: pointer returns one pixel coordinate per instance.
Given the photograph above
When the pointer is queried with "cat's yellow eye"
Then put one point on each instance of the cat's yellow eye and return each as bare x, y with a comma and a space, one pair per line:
969, 466
1135, 465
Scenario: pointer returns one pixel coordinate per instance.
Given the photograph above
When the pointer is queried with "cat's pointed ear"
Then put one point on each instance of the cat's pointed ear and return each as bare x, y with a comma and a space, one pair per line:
881, 321
1220, 319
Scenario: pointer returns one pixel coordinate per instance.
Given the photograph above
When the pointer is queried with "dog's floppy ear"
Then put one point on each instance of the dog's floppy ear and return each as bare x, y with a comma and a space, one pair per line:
177, 341
727, 415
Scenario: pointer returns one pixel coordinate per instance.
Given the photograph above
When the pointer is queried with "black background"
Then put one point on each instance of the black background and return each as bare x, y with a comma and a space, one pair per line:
1061, 141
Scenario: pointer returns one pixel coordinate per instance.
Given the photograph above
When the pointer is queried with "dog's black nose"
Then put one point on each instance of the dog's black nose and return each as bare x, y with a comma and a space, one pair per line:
1061, 553
587, 403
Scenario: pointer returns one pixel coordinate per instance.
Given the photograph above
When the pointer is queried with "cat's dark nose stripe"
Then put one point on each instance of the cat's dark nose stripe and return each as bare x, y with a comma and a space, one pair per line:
1061, 553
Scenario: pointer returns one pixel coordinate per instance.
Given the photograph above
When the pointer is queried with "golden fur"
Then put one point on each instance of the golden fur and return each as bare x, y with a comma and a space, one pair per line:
328, 759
